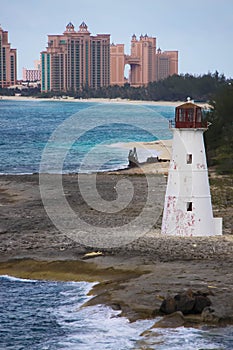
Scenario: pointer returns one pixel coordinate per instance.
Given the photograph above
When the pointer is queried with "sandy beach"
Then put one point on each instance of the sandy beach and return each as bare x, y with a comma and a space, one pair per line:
100, 100
134, 277
149, 150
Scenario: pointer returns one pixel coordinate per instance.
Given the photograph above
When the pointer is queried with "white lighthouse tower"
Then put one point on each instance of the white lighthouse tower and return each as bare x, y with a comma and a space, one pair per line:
187, 207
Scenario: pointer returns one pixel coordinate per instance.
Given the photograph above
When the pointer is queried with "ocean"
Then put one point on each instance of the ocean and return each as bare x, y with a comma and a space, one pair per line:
42, 315
79, 137
75, 130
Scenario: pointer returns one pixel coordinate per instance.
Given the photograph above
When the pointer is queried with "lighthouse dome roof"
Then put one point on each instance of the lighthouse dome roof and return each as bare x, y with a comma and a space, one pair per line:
188, 104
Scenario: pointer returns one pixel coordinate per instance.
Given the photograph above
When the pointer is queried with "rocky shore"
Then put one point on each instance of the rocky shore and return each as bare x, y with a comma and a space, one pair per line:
136, 277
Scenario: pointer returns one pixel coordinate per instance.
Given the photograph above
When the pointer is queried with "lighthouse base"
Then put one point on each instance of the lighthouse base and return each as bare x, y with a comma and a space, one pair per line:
182, 220
218, 226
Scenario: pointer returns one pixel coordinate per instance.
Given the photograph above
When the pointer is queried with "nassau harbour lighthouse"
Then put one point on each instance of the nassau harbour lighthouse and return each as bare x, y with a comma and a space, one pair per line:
188, 207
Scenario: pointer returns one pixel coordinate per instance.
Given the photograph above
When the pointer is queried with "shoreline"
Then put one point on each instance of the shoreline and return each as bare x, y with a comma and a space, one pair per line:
134, 277
101, 100
137, 285
160, 148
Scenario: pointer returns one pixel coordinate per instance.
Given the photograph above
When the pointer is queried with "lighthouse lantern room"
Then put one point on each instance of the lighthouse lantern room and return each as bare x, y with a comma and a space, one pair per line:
188, 208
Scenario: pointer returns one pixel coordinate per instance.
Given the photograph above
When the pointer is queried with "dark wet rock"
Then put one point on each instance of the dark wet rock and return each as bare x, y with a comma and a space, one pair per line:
168, 305
116, 307
201, 302
185, 302
188, 302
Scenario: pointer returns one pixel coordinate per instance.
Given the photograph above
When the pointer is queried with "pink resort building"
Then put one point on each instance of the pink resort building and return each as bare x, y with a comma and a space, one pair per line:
146, 65
8, 61
75, 60
32, 75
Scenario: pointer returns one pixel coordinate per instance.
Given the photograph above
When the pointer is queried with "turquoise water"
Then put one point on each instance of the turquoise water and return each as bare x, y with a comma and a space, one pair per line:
27, 127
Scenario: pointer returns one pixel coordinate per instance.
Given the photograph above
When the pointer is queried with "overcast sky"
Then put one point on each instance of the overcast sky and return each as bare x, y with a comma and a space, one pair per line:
201, 30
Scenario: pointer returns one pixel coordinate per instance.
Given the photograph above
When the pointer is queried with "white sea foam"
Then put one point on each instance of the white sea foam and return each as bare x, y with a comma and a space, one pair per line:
183, 338
16, 173
99, 327
16, 279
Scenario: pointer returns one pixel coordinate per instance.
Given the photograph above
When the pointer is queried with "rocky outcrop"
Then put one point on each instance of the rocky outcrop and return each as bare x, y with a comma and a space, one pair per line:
174, 320
188, 302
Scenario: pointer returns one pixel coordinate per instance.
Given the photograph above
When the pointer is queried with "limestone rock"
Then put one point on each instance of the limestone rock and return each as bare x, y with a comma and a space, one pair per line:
208, 315
176, 319
188, 302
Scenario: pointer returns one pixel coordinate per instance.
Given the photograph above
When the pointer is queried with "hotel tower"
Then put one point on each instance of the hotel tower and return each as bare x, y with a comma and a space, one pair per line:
146, 64
75, 60
8, 69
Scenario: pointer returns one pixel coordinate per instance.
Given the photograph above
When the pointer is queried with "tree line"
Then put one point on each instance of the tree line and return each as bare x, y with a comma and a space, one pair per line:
219, 138
173, 88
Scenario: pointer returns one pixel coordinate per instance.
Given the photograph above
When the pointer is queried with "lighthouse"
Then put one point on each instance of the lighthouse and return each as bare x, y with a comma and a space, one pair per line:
188, 208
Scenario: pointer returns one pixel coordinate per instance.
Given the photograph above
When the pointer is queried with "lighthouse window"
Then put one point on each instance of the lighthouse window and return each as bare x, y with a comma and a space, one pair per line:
181, 116
189, 158
198, 115
190, 114
189, 206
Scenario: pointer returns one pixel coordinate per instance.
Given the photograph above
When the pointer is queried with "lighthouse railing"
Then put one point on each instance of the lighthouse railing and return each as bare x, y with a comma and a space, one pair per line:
188, 124
171, 124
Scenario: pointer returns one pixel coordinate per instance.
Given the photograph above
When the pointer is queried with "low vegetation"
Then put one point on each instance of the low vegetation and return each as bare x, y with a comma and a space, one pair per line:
219, 138
221, 188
